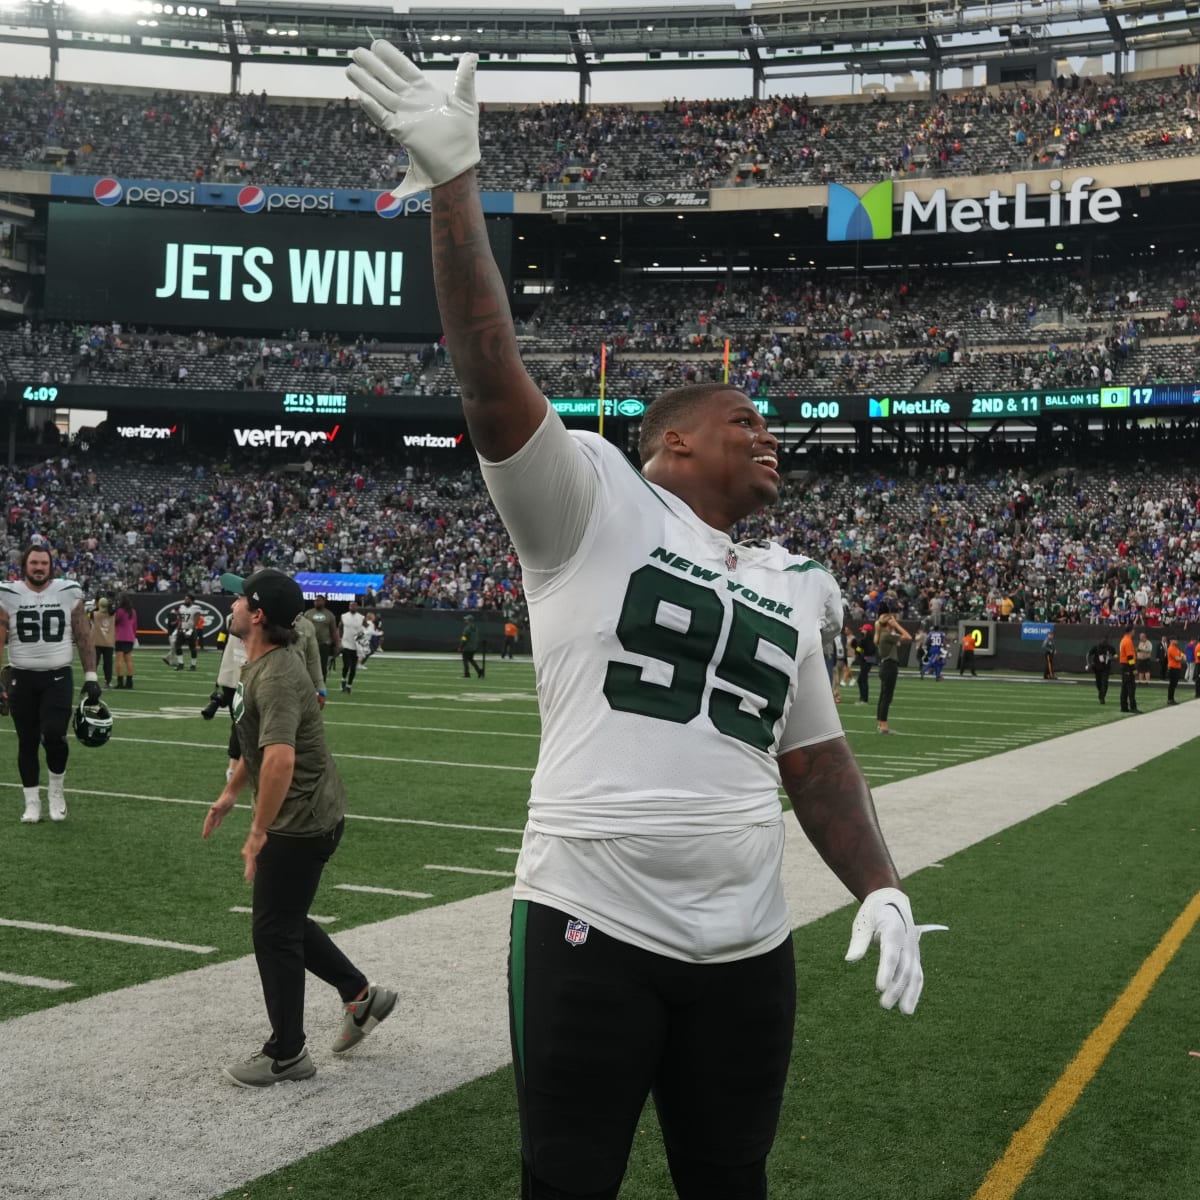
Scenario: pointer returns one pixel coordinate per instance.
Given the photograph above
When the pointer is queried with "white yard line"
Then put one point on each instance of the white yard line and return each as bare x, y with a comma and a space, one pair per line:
349, 816
468, 870
102, 935
382, 891
241, 908
36, 981
173, 1128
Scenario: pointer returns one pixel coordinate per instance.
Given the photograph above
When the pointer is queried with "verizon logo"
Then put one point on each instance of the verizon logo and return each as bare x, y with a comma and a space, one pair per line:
145, 431
431, 441
283, 437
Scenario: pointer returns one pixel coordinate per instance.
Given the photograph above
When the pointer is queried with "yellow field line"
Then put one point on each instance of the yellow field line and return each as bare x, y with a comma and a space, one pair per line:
1013, 1168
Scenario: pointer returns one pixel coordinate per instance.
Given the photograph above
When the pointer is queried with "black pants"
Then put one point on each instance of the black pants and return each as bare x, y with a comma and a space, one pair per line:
287, 942
468, 657
966, 662
349, 665
864, 681
1048, 670
325, 651
598, 1026
41, 705
1102, 682
1174, 674
1128, 688
509, 649
188, 641
105, 656
888, 671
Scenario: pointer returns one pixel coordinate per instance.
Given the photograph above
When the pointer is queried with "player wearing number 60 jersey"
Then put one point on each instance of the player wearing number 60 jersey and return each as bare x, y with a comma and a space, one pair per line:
680, 678
43, 623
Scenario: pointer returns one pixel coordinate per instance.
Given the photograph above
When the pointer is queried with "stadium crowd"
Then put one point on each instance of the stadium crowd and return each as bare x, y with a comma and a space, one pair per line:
253, 138
1010, 540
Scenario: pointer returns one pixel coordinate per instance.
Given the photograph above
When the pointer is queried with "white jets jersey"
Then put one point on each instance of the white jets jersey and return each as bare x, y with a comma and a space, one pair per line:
672, 667
187, 614
39, 623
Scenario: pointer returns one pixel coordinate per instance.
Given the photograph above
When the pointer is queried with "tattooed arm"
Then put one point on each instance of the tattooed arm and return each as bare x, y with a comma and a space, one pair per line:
833, 804
502, 404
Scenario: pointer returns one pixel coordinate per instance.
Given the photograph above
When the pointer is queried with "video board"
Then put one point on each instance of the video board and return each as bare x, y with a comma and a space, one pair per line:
227, 270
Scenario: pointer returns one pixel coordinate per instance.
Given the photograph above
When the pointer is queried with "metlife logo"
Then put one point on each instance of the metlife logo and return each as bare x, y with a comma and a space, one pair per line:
871, 217
284, 439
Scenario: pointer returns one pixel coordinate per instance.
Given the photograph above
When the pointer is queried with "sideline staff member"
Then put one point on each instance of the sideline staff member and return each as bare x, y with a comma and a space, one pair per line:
650, 868
298, 818
42, 620
889, 633
1129, 664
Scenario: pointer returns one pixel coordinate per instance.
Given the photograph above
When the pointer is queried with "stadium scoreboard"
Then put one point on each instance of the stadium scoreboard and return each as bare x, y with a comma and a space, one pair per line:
954, 406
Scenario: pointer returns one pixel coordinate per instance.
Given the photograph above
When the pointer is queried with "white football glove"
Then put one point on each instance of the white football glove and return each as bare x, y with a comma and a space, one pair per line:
440, 130
885, 916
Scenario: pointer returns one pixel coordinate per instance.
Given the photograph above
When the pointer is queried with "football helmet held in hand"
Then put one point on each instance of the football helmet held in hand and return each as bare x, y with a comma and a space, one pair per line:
92, 722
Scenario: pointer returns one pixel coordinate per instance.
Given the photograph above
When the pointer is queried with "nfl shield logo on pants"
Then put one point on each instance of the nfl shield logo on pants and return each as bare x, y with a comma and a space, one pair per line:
577, 932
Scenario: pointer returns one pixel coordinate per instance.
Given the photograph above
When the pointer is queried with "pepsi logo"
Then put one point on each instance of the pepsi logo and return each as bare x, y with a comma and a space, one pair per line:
107, 192
388, 206
252, 199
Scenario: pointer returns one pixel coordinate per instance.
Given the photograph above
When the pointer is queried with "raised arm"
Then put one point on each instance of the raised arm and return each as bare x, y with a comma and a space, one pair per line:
440, 131
502, 404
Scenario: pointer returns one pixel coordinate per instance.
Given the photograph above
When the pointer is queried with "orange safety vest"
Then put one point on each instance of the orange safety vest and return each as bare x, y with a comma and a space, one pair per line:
1175, 658
1128, 651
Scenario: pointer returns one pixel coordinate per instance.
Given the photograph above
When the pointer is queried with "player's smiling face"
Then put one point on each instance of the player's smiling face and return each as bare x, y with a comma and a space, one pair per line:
737, 455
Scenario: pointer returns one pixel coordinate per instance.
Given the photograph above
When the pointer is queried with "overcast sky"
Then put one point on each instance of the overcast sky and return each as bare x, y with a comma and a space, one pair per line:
494, 86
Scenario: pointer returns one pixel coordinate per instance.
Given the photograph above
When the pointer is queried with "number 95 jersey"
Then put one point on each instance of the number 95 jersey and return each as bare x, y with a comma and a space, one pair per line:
672, 666
39, 623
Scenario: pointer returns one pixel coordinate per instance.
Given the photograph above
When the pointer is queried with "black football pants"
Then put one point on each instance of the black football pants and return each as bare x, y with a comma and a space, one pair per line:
41, 703
598, 1026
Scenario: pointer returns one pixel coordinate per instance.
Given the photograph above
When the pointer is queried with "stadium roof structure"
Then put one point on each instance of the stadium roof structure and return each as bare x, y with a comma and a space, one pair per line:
775, 39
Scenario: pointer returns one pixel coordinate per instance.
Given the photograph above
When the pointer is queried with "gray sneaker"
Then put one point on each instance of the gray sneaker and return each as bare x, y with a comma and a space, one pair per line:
261, 1071
362, 1016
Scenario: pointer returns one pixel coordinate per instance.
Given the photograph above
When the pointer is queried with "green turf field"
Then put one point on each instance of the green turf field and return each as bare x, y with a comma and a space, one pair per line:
1050, 921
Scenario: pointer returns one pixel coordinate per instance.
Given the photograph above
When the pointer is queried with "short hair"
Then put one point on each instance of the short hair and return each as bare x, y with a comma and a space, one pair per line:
671, 407
34, 550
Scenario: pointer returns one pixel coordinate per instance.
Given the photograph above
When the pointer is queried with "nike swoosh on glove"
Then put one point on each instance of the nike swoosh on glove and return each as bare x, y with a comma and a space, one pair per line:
440, 130
885, 917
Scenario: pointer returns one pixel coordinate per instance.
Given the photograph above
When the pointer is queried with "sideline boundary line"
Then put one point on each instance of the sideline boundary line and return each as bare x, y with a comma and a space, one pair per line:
1011, 1170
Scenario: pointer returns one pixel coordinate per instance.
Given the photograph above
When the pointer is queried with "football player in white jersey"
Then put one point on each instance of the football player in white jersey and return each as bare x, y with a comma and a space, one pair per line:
43, 623
350, 629
189, 617
681, 678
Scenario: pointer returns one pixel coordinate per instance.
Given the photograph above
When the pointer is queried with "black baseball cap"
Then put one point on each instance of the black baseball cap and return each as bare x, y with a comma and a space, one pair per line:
276, 594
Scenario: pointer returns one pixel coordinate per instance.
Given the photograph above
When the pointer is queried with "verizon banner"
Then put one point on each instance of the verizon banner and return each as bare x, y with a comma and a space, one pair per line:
285, 439
220, 270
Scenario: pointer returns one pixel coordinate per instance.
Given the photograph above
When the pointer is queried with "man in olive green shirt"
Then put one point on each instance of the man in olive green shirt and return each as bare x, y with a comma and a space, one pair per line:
325, 623
297, 821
